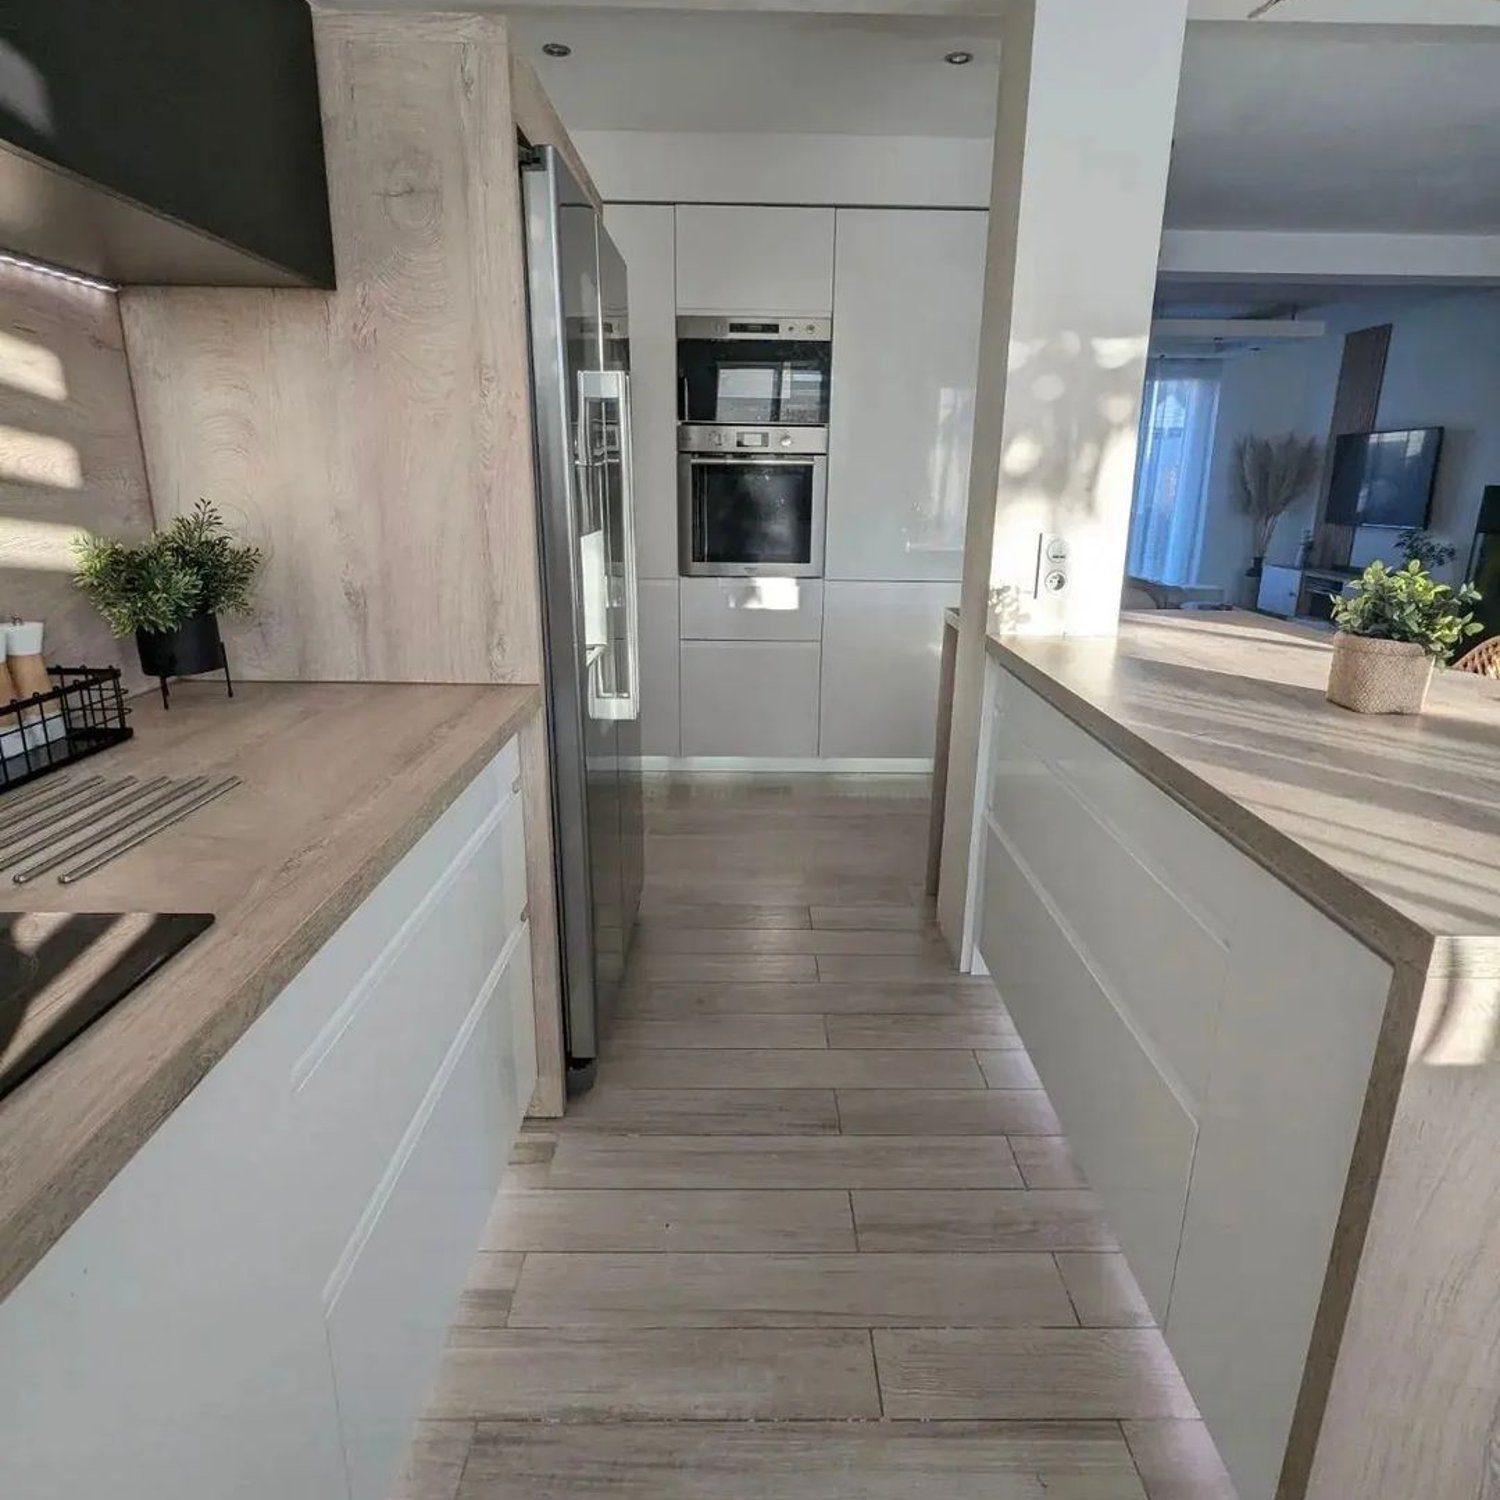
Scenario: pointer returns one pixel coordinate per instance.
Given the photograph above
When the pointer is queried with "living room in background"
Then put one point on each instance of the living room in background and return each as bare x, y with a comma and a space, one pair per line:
1178, 415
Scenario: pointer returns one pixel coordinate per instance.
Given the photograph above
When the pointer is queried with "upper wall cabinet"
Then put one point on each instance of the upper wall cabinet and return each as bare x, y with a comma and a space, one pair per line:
909, 286
643, 233
165, 141
754, 260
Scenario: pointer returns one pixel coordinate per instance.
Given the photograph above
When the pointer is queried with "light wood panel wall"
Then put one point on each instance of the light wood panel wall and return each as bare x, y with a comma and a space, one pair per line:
70, 457
376, 440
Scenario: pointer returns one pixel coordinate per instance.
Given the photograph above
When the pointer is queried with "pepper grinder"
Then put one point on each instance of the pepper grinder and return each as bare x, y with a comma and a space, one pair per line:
23, 659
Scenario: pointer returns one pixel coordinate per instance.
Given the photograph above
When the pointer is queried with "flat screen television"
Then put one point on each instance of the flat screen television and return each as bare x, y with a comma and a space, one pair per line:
1384, 478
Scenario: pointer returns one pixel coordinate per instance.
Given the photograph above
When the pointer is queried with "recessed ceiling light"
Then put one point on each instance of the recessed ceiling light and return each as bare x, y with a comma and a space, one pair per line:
958, 59
557, 49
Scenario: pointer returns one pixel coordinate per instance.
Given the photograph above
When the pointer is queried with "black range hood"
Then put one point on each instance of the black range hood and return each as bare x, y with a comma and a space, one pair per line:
164, 142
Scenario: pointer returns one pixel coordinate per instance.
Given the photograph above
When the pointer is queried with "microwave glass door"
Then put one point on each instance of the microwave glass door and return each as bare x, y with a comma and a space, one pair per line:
752, 514
750, 382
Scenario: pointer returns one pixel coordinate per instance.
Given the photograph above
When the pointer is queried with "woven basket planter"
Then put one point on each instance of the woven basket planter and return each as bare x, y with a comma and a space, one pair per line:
1378, 677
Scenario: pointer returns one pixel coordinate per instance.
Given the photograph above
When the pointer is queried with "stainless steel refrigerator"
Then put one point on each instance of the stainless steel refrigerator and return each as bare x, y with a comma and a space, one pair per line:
580, 370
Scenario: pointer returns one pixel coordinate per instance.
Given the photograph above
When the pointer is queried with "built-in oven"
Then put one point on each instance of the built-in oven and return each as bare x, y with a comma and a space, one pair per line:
751, 500
769, 371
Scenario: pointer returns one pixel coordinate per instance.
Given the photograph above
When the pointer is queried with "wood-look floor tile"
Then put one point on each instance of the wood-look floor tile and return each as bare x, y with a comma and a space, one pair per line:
784, 889
786, 1068
890, 915
1178, 1461
611, 1106
958, 1373
946, 1112
657, 916
717, 1031
782, 940
928, 1220
434, 1461
852, 968
748, 968
801, 1461
953, 996
750, 1290
769, 1161
973, 1030
1103, 1291
624, 1219
486, 1297
1008, 1068
1047, 1162
557, 1374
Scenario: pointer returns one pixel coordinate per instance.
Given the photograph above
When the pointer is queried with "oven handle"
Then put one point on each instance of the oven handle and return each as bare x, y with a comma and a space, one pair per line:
708, 460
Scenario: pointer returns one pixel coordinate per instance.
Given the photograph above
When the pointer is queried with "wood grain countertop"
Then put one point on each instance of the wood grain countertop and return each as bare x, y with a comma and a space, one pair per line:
340, 780
1389, 824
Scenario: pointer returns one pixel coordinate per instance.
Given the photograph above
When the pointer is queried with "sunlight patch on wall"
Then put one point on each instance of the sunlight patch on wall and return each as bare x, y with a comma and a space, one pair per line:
35, 458
37, 546
32, 368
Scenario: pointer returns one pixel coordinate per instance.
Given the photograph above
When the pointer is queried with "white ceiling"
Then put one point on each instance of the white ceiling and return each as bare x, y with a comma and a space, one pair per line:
1302, 126
755, 72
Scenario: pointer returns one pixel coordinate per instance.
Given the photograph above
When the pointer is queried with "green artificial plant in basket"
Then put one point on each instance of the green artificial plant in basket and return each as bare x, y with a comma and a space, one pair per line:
1394, 626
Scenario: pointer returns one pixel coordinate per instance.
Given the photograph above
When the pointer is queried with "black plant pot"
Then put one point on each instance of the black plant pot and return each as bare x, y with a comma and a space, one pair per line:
195, 646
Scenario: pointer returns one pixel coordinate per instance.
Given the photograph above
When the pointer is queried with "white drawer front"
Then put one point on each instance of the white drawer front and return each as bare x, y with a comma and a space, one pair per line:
751, 609
1164, 967
392, 1294
1132, 1137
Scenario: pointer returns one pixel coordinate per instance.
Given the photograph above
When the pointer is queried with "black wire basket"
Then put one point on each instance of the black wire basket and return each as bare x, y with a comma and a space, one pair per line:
85, 712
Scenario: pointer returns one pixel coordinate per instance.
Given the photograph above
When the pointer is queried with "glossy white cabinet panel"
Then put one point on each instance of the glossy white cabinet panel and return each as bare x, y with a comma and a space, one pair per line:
752, 609
1131, 1134
754, 259
882, 653
661, 731
391, 1298
750, 698
645, 236
908, 287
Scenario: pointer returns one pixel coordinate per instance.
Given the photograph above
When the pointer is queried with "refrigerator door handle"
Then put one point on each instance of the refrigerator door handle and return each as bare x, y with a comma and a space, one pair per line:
599, 390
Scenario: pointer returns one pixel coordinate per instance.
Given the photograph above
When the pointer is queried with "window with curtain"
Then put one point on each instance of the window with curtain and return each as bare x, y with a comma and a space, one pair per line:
1178, 414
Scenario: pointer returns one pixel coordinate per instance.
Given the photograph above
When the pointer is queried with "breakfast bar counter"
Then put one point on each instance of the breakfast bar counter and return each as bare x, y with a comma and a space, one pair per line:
1252, 943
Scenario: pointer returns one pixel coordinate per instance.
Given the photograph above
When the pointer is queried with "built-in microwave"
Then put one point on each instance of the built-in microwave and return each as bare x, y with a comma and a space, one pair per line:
768, 371
751, 500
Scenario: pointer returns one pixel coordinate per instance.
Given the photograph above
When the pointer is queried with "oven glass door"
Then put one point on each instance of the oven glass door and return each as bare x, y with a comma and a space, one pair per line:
753, 514
750, 382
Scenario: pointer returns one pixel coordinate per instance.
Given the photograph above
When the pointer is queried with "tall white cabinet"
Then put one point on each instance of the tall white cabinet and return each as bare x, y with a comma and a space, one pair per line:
850, 671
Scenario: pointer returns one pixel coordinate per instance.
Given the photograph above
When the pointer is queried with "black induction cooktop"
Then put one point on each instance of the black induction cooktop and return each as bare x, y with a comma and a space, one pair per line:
60, 971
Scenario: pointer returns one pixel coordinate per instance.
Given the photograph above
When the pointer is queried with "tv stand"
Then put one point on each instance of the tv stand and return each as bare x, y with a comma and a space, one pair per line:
1300, 593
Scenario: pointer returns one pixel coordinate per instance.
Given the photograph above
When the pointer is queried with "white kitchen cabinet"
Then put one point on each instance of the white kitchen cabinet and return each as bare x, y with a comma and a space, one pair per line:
752, 609
1279, 589
908, 286
255, 1304
736, 259
1207, 1037
661, 732
751, 699
645, 235
882, 652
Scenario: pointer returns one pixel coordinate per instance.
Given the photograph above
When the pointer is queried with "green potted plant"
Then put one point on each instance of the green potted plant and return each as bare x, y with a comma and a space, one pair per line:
170, 590
1396, 625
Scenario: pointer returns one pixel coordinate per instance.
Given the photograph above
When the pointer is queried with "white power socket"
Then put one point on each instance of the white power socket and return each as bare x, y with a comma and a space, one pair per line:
1051, 564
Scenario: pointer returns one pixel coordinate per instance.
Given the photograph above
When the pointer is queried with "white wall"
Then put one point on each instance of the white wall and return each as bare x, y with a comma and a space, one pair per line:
863, 170
1443, 371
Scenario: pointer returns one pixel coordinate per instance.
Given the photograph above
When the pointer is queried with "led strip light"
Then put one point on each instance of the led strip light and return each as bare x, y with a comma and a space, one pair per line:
56, 273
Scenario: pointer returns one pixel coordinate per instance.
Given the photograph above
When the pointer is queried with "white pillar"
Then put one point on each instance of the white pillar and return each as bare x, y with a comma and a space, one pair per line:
1088, 96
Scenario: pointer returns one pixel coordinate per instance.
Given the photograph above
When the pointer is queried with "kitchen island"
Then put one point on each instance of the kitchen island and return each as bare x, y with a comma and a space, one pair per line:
1252, 942
209, 1199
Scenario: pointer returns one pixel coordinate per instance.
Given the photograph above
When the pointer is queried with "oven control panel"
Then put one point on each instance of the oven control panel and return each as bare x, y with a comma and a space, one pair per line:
707, 437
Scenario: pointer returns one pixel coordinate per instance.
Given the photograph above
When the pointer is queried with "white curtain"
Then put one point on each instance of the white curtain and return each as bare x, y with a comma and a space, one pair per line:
1178, 416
